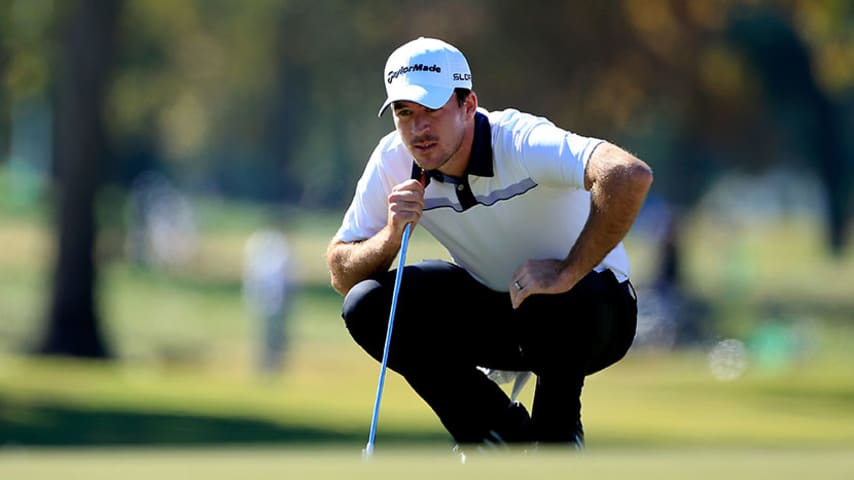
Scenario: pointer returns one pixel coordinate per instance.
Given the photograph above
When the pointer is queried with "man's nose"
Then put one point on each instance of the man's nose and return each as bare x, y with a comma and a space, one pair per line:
421, 123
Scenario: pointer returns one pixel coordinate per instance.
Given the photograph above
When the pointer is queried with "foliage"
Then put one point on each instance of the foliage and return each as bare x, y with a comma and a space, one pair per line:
275, 99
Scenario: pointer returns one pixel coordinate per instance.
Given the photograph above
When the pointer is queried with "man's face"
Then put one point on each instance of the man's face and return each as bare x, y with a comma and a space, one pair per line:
433, 137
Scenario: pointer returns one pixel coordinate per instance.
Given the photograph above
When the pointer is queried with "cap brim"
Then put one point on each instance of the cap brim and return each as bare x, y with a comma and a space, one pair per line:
434, 98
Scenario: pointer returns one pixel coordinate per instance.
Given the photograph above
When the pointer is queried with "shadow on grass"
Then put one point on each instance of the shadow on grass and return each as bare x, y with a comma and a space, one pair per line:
50, 424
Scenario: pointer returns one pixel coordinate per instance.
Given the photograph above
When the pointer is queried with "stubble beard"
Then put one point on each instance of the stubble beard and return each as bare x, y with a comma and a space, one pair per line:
446, 159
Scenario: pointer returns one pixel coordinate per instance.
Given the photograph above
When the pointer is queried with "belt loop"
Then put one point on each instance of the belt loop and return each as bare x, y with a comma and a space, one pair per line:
632, 290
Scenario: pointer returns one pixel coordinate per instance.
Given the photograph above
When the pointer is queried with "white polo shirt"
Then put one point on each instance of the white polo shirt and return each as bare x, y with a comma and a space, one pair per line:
522, 197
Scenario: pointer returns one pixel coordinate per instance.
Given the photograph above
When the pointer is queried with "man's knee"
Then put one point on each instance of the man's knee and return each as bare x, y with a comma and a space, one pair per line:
365, 314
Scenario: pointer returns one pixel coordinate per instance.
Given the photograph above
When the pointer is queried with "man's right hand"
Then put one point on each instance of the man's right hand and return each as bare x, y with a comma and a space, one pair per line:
352, 262
405, 205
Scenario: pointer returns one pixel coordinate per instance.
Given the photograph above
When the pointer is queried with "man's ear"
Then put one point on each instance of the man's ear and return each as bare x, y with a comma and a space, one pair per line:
471, 105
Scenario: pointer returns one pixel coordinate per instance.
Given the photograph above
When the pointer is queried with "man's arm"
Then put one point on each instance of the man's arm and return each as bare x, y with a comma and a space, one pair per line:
351, 262
618, 183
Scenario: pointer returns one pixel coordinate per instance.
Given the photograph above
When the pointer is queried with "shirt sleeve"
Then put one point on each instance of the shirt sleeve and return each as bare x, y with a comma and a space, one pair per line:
554, 156
368, 211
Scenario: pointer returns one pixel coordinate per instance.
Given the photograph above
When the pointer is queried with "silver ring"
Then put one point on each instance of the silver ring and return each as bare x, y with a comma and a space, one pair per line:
517, 285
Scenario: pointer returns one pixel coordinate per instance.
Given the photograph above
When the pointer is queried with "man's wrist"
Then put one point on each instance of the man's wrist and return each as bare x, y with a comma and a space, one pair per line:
570, 273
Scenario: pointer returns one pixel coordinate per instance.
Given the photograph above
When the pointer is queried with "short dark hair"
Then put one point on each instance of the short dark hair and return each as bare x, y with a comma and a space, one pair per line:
462, 95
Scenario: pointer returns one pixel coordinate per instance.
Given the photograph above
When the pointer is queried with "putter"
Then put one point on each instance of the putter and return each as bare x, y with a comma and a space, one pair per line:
368, 452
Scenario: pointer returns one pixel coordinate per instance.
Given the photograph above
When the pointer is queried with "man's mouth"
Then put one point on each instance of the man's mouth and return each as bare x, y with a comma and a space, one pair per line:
424, 146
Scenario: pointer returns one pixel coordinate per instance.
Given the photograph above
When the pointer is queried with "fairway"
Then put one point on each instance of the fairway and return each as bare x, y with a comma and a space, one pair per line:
320, 464
182, 399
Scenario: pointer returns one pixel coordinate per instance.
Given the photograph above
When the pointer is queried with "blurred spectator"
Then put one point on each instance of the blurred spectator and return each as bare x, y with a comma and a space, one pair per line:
163, 227
267, 286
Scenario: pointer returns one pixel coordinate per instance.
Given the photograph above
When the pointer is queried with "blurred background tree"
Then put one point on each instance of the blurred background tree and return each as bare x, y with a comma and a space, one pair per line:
4, 92
273, 101
84, 60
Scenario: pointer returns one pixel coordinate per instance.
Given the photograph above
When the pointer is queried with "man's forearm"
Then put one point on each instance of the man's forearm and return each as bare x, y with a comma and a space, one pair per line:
617, 192
350, 263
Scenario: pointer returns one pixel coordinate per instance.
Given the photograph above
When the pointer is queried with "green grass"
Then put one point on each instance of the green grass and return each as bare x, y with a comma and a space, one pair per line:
327, 392
321, 464
184, 376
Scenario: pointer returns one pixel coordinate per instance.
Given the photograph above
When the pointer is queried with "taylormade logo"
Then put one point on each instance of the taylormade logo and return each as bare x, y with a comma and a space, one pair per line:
418, 67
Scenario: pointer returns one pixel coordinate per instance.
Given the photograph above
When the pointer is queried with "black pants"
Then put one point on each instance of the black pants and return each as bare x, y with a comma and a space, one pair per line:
447, 324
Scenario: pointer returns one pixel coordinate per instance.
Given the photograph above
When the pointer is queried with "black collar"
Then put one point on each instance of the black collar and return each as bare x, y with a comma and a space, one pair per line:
480, 161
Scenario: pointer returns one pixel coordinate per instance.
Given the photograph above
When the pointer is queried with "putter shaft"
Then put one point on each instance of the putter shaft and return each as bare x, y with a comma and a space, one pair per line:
369, 448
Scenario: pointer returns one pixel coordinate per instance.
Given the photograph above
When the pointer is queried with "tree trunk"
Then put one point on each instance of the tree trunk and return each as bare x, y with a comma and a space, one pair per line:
84, 57
4, 93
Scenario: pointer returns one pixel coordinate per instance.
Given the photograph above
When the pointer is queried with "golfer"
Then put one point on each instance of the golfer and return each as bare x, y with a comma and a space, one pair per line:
533, 217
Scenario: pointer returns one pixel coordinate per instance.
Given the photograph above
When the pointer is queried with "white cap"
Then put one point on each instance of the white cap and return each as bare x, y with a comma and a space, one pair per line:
425, 71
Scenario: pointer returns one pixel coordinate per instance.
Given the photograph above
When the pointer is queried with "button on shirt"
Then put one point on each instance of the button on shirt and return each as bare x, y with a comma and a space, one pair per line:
522, 197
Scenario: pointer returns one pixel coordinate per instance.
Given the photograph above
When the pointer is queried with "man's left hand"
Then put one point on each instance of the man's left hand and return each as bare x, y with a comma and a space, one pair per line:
539, 276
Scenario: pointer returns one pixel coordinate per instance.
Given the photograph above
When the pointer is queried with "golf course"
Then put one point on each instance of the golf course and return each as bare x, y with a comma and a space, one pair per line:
182, 399
172, 174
